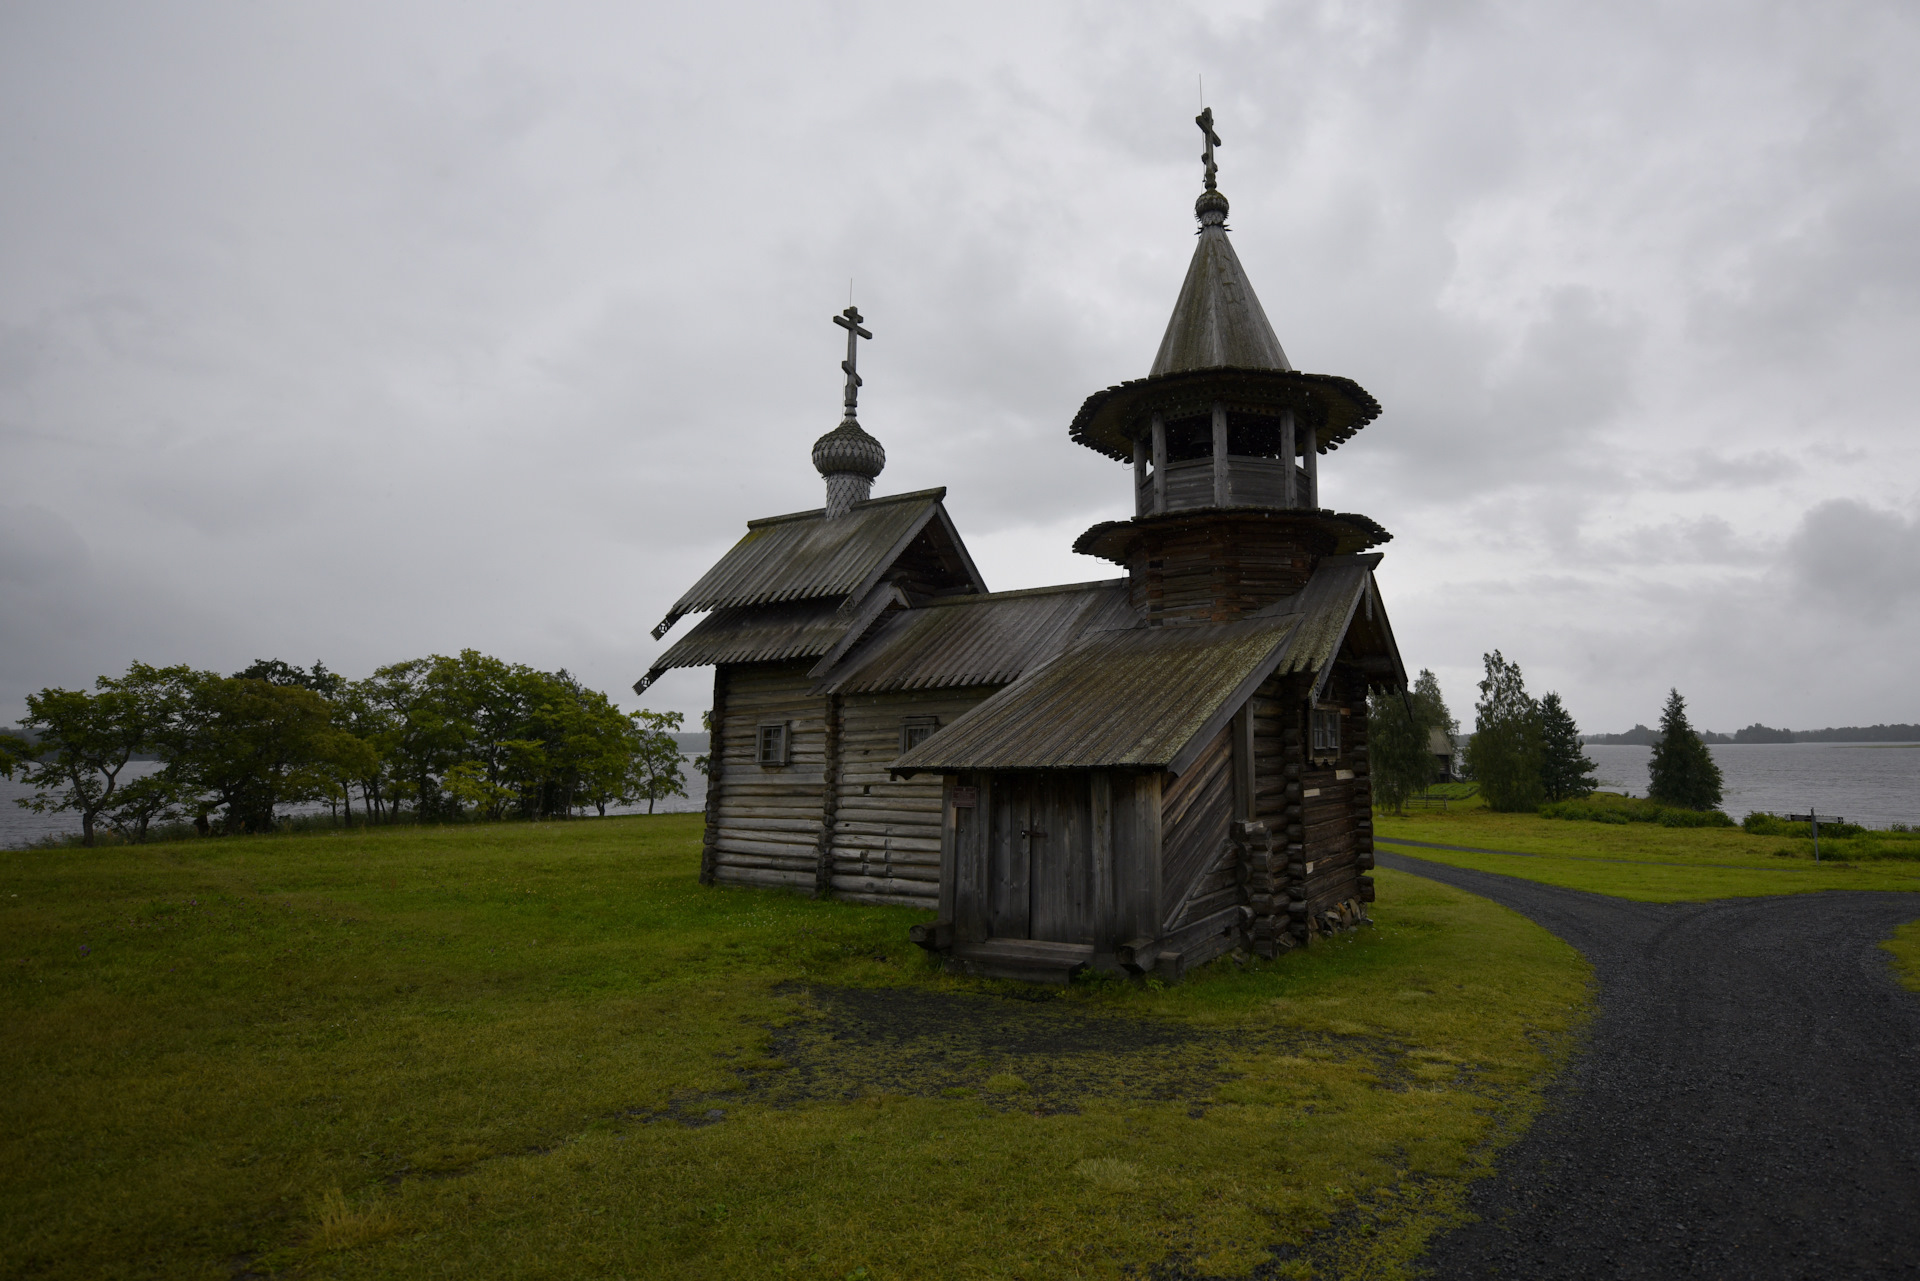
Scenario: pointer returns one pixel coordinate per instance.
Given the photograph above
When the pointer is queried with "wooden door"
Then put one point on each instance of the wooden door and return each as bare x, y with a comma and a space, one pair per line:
1040, 858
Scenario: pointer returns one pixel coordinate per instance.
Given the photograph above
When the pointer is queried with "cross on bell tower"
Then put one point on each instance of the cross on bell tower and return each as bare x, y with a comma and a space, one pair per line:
1205, 121
847, 457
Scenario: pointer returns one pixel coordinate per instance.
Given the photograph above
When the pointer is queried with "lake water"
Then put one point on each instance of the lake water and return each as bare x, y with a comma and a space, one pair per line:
19, 826
1871, 783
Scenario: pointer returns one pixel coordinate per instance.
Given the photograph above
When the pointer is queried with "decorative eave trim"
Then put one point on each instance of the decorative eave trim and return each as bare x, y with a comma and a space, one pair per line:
1351, 531
1334, 407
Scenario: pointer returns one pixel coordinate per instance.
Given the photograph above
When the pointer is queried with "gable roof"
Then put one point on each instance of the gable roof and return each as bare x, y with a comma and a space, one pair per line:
805, 556
1136, 697
977, 640
1150, 697
1341, 588
754, 634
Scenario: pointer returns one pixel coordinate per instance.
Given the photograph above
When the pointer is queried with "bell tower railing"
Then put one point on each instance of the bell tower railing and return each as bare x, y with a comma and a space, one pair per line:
1222, 478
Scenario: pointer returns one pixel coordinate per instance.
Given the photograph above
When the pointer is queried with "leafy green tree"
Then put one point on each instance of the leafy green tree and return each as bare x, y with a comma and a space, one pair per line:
467, 782
658, 770
159, 797
704, 761
15, 752
1683, 772
421, 734
1565, 772
1400, 729
251, 746
86, 739
1505, 751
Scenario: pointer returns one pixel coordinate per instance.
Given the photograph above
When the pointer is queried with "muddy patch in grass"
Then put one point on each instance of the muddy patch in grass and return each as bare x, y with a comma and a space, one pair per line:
1013, 1053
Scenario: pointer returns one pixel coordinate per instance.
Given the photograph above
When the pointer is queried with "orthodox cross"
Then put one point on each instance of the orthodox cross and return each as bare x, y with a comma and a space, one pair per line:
1205, 121
849, 320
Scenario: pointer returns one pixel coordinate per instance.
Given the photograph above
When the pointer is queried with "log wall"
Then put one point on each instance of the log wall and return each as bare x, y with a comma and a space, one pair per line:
831, 821
1317, 813
764, 824
1218, 569
886, 831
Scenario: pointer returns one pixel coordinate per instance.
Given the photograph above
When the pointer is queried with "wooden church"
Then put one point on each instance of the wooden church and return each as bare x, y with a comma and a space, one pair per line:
1136, 774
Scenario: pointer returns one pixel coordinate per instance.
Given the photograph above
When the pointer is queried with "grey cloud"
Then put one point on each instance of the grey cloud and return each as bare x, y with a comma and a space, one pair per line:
1863, 560
440, 326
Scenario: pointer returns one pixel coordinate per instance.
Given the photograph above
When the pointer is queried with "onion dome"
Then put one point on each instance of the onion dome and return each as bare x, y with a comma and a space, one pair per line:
848, 448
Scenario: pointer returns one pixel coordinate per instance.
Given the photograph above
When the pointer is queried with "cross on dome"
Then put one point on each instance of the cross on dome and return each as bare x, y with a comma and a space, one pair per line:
849, 320
847, 457
1205, 121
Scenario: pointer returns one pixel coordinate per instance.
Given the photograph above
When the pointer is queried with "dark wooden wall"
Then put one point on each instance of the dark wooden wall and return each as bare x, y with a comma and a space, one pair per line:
1319, 812
1103, 886
764, 826
1219, 568
886, 831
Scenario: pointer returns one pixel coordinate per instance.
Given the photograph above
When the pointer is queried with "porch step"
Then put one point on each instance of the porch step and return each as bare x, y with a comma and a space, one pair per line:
1030, 960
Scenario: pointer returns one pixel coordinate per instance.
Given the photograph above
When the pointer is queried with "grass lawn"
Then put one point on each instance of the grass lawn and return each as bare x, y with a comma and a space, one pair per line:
1905, 946
546, 1051
1642, 860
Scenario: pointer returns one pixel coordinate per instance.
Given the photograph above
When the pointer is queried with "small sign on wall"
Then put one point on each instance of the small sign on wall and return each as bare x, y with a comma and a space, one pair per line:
966, 798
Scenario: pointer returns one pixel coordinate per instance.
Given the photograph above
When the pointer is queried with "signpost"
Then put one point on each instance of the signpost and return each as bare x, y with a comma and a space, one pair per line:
1814, 820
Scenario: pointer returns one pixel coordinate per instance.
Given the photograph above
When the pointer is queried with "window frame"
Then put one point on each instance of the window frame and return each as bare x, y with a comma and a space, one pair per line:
908, 724
783, 750
1324, 724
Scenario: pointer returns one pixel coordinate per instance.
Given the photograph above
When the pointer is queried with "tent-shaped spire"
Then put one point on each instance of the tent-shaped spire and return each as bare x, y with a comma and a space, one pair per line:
1218, 319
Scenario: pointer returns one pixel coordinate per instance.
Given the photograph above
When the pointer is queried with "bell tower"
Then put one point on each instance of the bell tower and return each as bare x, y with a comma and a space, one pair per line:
1225, 438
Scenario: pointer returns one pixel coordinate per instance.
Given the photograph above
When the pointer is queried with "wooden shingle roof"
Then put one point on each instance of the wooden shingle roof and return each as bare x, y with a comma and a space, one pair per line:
1151, 697
805, 556
977, 640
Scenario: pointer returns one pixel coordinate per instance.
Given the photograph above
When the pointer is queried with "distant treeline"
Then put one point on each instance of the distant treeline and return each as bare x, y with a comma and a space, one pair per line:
428, 739
1641, 736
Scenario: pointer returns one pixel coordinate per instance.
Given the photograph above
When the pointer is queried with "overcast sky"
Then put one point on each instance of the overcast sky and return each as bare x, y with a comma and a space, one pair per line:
364, 332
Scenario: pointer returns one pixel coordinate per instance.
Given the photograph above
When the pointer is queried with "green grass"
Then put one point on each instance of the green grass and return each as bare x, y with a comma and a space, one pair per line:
1646, 861
1905, 947
475, 1051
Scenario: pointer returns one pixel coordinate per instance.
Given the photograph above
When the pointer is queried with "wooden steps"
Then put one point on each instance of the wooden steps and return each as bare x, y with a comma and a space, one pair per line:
1030, 960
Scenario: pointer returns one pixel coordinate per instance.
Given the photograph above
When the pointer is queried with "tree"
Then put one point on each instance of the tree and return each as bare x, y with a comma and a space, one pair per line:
1504, 753
139, 804
657, 772
85, 740
1397, 759
1682, 771
251, 745
1565, 771
15, 753
704, 761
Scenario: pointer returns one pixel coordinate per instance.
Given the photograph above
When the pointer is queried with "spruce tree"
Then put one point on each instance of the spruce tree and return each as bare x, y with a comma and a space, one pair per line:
1504, 753
1565, 771
1683, 771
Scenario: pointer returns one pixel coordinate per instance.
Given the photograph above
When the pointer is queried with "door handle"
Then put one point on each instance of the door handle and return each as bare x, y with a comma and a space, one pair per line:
1032, 832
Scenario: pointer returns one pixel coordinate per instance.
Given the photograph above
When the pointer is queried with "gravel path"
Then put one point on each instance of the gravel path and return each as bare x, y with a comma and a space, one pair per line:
1748, 1105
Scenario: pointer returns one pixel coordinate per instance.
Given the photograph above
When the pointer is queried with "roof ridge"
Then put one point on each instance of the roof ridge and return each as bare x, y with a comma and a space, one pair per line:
982, 598
936, 494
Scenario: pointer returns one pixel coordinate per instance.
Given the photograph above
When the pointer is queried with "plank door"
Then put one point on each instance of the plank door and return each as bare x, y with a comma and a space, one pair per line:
1041, 849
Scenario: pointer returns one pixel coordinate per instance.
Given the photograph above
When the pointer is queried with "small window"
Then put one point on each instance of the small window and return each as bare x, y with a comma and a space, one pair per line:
915, 730
1326, 731
771, 746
